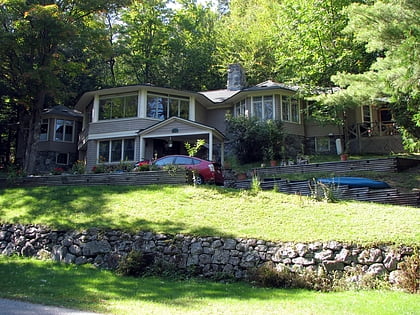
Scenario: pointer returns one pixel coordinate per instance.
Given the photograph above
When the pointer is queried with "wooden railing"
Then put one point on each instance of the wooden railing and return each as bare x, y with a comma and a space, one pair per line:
372, 129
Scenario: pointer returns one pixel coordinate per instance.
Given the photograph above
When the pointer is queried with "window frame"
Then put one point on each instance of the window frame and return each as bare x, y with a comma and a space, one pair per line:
287, 103
167, 101
67, 159
44, 121
63, 138
319, 145
124, 106
111, 150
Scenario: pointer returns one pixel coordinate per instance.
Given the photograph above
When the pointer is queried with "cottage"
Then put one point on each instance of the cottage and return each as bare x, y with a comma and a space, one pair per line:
142, 122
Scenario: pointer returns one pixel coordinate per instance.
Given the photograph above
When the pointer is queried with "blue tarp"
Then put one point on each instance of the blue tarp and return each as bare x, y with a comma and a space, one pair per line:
354, 182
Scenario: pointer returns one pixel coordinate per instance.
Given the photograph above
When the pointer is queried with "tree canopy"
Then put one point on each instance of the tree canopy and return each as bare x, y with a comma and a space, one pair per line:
391, 30
54, 50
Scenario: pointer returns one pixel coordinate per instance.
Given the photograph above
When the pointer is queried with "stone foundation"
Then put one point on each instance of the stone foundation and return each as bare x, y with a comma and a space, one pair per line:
209, 256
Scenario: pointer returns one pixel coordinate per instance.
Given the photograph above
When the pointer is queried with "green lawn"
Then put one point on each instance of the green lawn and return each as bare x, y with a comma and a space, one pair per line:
211, 211
87, 288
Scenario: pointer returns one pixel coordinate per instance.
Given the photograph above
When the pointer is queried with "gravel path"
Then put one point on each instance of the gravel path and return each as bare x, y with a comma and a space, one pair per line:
11, 307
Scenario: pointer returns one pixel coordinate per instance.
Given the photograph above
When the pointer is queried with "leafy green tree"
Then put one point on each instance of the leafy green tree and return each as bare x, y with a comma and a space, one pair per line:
290, 40
143, 42
44, 52
391, 30
254, 140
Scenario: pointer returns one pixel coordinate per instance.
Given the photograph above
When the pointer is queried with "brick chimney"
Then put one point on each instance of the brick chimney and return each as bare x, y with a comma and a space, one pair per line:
236, 77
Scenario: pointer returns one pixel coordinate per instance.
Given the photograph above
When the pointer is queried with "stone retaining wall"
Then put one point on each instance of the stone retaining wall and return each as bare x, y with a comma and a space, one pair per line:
208, 255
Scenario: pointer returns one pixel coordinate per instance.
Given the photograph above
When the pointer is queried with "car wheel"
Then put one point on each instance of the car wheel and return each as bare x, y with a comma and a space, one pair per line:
199, 180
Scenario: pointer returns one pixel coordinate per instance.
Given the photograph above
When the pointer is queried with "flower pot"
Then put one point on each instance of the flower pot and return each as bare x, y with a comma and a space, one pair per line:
344, 157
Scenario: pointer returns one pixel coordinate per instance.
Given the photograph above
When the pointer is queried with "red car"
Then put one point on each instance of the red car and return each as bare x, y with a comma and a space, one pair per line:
208, 172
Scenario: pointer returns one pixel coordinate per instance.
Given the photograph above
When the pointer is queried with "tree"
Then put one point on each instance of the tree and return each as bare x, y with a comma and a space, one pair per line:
44, 52
296, 41
391, 30
168, 47
254, 140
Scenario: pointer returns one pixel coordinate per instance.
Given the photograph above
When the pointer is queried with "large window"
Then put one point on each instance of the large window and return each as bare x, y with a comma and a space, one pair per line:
240, 109
290, 109
165, 106
116, 150
123, 106
43, 134
262, 107
64, 130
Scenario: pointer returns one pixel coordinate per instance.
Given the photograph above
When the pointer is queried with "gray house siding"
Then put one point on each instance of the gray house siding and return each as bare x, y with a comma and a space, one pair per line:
120, 125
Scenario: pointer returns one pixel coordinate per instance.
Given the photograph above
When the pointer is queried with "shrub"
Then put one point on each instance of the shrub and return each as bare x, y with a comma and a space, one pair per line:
248, 133
135, 264
99, 168
267, 276
79, 167
324, 192
409, 275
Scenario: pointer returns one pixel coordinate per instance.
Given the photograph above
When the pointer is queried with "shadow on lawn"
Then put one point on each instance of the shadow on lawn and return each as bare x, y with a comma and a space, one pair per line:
84, 207
88, 288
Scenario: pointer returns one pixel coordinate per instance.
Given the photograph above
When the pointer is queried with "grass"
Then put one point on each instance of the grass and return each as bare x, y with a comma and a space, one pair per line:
86, 288
210, 211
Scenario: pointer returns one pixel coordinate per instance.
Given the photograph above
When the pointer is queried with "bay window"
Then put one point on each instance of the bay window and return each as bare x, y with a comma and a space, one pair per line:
64, 130
263, 107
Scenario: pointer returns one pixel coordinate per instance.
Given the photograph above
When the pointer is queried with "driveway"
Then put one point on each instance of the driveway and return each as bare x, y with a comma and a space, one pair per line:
11, 307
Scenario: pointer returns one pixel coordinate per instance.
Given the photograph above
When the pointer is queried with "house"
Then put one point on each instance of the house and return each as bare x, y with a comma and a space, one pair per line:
143, 122
57, 146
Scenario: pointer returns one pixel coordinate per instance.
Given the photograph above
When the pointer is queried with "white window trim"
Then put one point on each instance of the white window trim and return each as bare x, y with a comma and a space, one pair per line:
64, 134
110, 149
316, 144
263, 107
106, 97
363, 114
67, 159
289, 109
191, 104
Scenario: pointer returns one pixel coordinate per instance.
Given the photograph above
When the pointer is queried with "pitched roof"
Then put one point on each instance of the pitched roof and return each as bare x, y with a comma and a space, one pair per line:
220, 96
61, 110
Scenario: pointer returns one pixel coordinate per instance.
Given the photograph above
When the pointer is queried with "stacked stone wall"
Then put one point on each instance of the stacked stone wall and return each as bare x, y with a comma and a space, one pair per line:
209, 256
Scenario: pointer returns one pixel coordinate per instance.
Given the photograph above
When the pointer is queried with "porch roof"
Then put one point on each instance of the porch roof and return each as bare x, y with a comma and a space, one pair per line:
177, 127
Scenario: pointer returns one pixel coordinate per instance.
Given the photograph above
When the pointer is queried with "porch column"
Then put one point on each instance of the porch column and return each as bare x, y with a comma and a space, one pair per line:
222, 153
210, 146
142, 148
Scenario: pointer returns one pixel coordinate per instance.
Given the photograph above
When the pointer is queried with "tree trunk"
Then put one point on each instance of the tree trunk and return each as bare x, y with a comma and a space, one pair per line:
31, 149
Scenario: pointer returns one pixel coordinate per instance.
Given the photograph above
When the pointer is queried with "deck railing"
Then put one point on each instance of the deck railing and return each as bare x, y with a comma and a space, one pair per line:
372, 129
